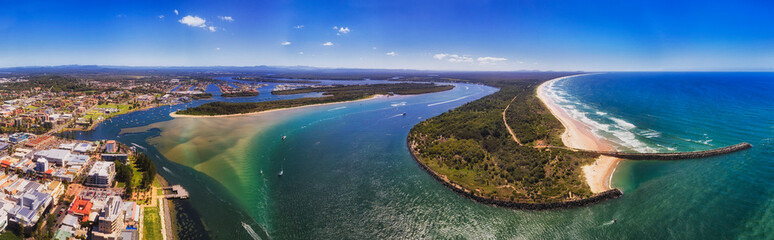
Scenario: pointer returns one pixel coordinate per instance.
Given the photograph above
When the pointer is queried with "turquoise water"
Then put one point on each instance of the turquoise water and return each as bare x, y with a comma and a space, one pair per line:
348, 174
721, 197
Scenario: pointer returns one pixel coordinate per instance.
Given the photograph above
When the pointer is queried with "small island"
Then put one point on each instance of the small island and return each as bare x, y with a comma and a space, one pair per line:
240, 94
331, 94
201, 96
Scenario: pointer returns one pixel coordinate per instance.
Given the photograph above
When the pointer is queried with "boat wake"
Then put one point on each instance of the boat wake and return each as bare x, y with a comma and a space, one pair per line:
453, 100
337, 108
250, 231
608, 223
167, 170
398, 104
143, 148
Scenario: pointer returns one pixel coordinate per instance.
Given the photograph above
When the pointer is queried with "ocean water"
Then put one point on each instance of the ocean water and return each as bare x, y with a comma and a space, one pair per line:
730, 196
349, 175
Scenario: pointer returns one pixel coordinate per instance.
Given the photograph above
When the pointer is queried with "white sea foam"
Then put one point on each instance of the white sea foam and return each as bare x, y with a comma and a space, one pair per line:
649, 133
337, 108
621, 132
626, 125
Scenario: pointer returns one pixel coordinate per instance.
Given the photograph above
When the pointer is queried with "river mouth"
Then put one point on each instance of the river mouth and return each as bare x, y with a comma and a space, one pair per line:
332, 152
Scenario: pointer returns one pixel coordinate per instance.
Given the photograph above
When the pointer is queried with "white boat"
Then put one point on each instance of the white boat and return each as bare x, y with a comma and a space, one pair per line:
283, 137
281, 172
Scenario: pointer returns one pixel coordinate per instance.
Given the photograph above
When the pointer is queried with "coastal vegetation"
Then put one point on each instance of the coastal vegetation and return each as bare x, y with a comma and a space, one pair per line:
240, 94
471, 148
371, 89
331, 94
201, 96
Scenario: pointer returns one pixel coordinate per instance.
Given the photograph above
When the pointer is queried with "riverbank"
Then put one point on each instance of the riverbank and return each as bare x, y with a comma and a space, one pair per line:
576, 135
175, 115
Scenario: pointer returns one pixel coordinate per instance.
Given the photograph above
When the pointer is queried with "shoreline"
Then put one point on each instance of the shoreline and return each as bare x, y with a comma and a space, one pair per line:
598, 175
175, 115
536, 206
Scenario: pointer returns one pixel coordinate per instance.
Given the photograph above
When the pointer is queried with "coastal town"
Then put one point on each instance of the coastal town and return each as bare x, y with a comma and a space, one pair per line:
56, 187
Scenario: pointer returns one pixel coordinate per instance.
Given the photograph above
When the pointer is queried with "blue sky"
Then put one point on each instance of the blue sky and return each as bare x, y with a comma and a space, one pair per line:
444, 35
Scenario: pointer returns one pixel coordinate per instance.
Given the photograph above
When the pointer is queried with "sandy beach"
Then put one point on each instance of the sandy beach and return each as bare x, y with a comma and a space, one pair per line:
578, 135
175, 115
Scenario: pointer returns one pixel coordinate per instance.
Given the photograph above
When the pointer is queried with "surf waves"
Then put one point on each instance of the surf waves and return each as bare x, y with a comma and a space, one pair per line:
623, 134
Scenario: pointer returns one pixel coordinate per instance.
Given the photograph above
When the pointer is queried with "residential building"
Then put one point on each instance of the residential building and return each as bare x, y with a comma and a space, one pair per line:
111, 220
111, 146
101, 174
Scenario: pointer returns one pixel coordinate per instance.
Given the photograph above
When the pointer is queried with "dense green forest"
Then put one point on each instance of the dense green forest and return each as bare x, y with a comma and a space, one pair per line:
471, 147
226, 108
240, 94
332, 94
201, 96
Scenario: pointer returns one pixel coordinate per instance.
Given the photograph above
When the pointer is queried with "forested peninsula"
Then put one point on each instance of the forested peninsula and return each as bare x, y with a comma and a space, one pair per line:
331, 94
471, 151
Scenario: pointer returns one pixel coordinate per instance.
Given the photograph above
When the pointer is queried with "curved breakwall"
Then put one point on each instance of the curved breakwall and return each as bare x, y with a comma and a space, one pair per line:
596, 198
678, 156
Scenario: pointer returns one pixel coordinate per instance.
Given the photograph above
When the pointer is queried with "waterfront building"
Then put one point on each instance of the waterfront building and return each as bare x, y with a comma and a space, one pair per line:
111, 146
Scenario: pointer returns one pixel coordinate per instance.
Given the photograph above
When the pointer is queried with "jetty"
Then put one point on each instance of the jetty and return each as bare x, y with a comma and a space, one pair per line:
177, 192
676, 156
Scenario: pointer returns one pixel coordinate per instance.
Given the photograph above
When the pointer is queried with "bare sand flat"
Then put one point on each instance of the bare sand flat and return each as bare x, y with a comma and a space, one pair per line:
578, 135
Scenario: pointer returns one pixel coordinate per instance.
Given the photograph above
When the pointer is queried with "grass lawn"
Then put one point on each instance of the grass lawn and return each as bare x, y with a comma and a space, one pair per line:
8, 235
136, 175
151, 223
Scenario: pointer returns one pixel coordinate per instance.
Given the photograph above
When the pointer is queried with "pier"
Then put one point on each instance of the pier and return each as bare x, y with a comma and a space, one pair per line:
178, 192
676, 156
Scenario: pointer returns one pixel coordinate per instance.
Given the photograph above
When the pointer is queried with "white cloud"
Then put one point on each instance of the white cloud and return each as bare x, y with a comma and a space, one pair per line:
490, 60
217, 49
161, 16
193, 21
328, 44
341, 30
391, 54
374, 48
226, 18
453, 57
176, 13
212, 29
285, 43
298, 26
440, 56
301, 53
